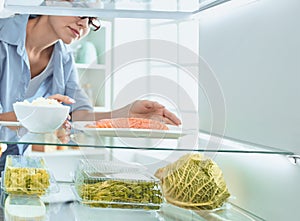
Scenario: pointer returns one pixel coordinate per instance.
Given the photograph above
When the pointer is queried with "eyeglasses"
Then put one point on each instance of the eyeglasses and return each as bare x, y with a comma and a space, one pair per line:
94, 23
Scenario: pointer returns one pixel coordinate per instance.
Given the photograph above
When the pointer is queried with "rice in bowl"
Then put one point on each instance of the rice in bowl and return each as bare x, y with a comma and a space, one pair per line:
42, 115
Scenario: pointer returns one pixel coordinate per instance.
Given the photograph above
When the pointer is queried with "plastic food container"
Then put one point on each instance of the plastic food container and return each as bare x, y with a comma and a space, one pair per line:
111, 184
24, 175
24, 208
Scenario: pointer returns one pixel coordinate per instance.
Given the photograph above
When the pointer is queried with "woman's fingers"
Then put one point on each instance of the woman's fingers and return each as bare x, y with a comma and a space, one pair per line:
67, 125
170, 118
153, 110
162, 113
62, 98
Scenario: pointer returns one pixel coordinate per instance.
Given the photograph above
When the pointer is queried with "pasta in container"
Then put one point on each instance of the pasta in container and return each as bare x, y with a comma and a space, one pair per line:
26, 175
110, 184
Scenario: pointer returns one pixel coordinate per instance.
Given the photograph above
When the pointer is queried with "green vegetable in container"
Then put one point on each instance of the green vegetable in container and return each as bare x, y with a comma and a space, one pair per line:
121, 194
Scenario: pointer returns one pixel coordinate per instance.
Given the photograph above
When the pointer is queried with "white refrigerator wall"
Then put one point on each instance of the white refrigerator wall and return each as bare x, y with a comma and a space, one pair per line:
254, 51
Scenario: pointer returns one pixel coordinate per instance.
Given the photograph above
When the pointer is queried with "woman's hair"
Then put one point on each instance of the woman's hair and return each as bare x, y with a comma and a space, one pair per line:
33, 16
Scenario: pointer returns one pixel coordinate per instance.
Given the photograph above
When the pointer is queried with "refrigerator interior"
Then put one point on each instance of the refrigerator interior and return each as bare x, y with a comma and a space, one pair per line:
231, 71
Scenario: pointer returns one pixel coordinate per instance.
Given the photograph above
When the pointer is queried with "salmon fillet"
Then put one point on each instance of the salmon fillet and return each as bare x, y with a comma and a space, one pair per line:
137, 123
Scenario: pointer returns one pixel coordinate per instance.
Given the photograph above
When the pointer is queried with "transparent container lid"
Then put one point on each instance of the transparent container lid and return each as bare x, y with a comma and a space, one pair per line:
98, 169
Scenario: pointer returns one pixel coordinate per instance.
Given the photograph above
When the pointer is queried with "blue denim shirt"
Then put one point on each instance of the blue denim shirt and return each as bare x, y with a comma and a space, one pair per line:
15, 69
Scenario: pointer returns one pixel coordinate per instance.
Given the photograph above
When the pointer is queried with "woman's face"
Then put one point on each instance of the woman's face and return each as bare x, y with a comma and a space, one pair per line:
69, 28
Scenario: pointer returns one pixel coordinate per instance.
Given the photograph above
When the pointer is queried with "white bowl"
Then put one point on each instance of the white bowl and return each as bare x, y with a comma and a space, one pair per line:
41, 119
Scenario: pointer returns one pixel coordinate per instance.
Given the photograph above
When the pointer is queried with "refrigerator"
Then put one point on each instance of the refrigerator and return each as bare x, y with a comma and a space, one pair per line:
228, 68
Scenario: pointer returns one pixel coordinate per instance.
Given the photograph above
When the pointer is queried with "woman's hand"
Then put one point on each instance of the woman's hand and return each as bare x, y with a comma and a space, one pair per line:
62, 98
63, 135
67, 125
152, 110
67, 100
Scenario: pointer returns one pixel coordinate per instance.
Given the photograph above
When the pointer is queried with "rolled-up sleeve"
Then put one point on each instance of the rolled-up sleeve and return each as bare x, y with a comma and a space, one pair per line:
73, 89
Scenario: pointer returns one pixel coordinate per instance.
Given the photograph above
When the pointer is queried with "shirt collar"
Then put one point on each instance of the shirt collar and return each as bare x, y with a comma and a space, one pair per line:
62, 49
16, 23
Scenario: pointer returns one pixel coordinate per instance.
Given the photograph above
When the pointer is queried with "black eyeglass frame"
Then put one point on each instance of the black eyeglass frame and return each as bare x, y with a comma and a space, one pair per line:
93, 22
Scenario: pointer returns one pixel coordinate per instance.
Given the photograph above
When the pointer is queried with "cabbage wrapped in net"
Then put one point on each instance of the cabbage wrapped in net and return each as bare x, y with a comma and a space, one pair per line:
193, 182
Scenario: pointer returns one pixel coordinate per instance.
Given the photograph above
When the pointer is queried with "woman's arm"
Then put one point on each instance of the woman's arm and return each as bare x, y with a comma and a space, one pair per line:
139, 108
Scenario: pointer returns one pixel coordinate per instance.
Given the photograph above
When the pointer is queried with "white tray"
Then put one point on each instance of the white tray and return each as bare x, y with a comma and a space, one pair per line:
174, 132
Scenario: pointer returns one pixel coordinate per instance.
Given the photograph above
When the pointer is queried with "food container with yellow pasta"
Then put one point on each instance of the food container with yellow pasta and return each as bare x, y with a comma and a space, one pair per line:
26, 175
110, 184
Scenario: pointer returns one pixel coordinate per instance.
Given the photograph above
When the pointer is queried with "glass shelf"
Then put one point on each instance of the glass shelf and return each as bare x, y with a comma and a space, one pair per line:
103, 9
205, 143
227, 212
167, 212
146, 9
19, 135
90, 66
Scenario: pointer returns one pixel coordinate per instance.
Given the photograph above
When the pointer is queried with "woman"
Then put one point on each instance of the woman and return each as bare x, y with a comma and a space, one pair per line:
36, 62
